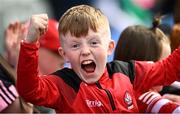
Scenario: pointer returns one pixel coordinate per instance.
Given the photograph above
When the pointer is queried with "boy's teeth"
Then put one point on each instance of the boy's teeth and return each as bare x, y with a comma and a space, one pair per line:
87, 62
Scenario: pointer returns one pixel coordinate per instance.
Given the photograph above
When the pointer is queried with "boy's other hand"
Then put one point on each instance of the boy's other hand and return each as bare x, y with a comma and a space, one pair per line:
38, 25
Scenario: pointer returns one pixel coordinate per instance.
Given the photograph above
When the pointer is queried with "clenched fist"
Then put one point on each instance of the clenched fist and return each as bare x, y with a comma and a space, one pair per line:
38, 25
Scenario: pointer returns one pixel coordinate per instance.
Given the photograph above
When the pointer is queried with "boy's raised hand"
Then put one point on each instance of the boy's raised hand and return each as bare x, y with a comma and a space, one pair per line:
38, 25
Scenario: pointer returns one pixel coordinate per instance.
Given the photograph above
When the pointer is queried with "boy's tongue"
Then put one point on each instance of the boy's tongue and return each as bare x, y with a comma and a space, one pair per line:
89, 68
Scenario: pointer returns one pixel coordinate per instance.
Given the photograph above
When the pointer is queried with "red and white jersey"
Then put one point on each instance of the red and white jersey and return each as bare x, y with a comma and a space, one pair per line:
116, 91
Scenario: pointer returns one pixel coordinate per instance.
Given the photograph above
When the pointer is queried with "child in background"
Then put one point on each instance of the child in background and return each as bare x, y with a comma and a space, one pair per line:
146, 44
92, 85
11, 102
143, 44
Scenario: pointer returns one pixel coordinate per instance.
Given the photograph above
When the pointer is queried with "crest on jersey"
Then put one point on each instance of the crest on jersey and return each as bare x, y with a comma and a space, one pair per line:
128, 100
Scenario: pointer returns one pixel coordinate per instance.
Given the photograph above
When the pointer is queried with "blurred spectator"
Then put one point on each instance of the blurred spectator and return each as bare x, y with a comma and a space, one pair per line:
50, 60
14, 33
174, 88
144, 44
170, 10
134, 43
10, 102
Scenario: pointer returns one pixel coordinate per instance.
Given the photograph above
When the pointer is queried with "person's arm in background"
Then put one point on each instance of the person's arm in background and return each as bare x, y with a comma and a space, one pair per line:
14, 33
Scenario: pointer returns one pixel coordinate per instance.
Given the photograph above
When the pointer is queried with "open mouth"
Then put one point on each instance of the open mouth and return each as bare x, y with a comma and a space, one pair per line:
88, 66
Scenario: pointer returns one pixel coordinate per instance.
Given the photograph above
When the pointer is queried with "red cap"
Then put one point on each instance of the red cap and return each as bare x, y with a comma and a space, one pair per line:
50, 39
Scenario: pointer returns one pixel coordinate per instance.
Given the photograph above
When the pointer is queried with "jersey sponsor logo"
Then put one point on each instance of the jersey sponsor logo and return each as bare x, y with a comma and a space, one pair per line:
94, 103
128, 100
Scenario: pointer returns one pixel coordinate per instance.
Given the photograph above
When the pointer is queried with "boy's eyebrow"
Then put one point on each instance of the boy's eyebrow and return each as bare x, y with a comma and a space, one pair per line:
93, 36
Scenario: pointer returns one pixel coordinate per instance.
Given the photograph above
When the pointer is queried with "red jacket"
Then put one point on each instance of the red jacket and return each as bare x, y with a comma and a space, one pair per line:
116, 91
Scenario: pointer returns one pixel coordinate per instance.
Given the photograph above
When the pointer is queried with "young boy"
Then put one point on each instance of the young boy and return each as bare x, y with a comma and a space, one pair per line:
92, 85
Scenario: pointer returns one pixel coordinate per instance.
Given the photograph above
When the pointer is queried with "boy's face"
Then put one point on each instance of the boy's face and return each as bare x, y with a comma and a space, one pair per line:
88, 54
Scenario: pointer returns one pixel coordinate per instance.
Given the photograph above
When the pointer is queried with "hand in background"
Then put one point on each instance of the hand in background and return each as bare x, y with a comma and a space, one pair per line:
14, 33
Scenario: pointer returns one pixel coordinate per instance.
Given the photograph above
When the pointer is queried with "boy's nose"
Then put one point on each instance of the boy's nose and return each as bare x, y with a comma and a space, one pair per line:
85, 51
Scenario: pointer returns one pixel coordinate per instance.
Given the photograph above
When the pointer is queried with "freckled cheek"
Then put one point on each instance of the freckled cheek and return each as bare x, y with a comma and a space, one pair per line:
101, 55
73, 57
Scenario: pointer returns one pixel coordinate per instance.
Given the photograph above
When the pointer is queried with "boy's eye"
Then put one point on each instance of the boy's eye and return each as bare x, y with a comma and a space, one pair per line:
94, 43
75, 46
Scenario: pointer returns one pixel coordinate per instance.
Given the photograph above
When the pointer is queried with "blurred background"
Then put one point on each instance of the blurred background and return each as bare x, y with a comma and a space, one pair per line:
121, 13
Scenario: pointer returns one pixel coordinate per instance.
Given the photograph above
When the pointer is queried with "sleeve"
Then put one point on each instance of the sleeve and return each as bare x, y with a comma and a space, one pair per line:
152, 102
31, 86
150, 74
8, 94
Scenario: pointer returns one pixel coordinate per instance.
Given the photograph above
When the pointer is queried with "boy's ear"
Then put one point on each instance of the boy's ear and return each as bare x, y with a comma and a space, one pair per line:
111, 47
62, 53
